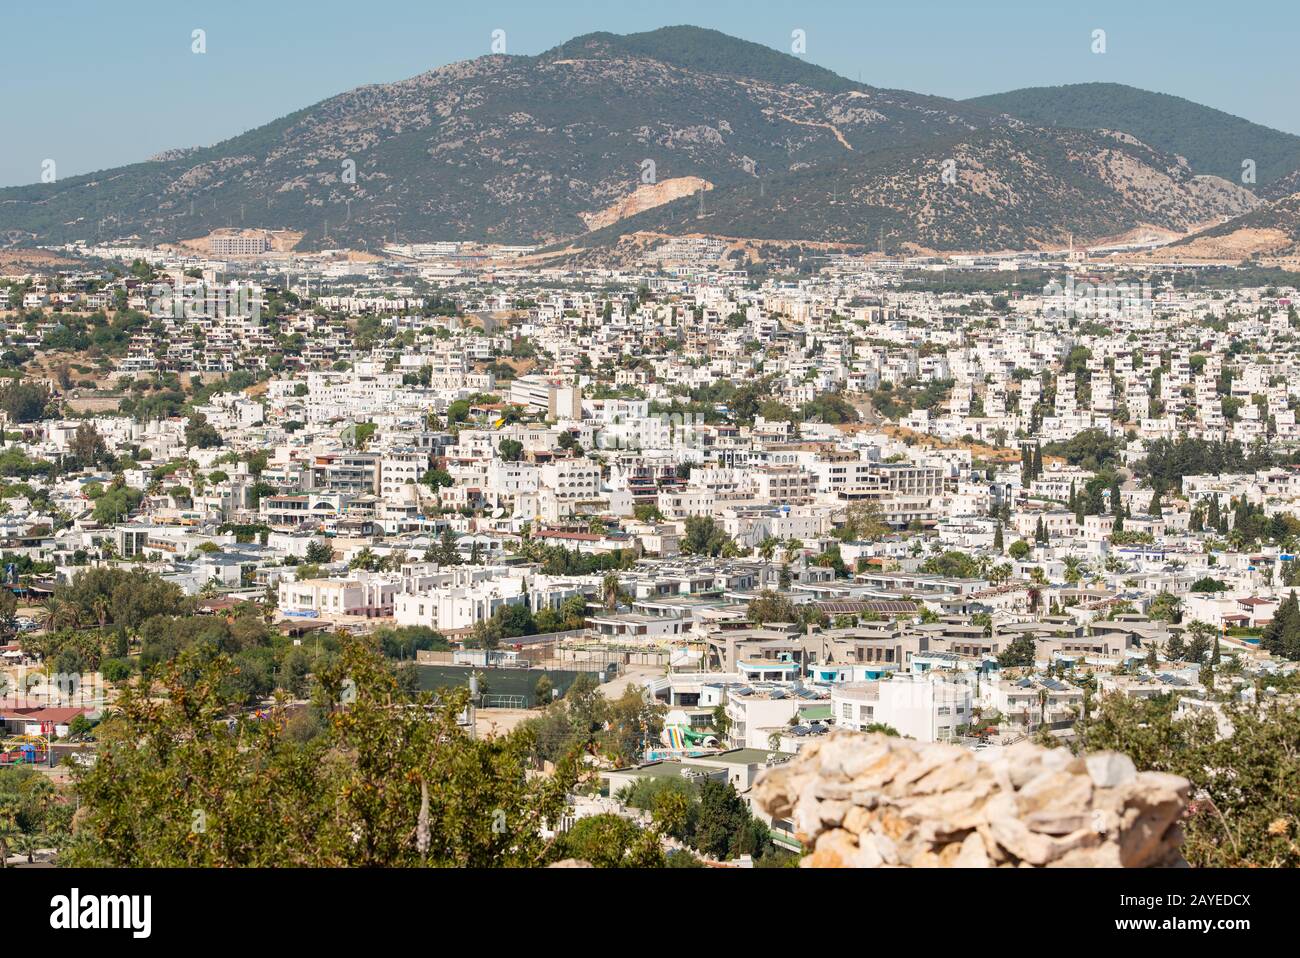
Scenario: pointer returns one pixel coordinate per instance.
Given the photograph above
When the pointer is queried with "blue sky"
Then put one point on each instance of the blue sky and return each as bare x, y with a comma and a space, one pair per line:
95, 84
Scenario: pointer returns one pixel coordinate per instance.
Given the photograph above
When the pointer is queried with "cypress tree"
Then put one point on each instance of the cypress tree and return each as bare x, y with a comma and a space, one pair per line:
1284, 621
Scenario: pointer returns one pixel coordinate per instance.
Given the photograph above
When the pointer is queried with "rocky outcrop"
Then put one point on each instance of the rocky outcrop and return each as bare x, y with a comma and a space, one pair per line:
645, 197
870, 801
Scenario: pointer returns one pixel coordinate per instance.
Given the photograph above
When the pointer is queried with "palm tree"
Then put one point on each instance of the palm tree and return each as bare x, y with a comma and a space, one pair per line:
610, 591
8, 832
61, 614
99, 605
365, 559
27, 844
767, 548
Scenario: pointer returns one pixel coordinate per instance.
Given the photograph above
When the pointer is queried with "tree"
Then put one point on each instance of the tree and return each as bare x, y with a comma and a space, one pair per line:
881, 728
1167, 607
199, 433
1019, 550
510, 450
610, 592
997, 539
319, 552
390, 780
632, 722
1281, 636
1019, 654
365, 559
1203, 636
705, 537
543, 690
725, 828
8, 613
610, 841
447, 553
862, 522
24, 402
768, 606
721, 721
952, 564
1243, 784
87, 447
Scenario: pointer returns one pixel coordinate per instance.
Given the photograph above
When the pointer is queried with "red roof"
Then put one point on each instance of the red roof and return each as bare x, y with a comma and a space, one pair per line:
56, 715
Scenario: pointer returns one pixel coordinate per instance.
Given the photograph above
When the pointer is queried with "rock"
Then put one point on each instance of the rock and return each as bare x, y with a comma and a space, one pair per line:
1057, 822
871, 801
835, 849
1110, 769
972, 853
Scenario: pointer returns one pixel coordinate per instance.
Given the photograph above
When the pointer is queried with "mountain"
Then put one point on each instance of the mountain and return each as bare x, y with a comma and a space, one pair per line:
555, 147
1212, 142
1008, 189
1269, 234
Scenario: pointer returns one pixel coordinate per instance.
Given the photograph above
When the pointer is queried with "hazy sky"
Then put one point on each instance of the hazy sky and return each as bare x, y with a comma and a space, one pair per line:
94, 84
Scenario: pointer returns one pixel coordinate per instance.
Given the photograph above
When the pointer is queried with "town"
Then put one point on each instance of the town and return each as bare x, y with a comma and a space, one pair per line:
693, 516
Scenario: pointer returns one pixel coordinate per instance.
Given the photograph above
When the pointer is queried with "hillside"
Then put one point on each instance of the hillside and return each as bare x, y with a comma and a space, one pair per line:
1212, 142
1012, 189
1270, 234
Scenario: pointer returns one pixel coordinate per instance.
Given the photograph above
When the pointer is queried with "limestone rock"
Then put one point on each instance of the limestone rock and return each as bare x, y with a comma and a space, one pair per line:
873, 801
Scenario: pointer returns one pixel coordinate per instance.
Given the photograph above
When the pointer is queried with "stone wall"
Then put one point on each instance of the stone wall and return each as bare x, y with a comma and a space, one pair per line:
870, 801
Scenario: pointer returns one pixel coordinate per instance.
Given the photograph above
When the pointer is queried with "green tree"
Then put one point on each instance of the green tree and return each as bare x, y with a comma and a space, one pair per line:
184, 778
768, 606
1243, 784
1019, 654
705, 537
1167, 607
